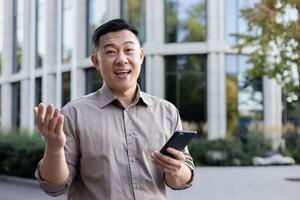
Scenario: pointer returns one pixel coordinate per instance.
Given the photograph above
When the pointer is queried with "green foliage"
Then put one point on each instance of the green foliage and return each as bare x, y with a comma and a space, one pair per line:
228, 152
20, 154
292, 142
274, 40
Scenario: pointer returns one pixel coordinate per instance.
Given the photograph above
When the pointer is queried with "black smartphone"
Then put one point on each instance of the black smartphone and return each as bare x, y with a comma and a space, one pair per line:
179, 140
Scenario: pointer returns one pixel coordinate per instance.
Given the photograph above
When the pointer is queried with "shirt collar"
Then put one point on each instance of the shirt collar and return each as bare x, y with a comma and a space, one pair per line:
107, 97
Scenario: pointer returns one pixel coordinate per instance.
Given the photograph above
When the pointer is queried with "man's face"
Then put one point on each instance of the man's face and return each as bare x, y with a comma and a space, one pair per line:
119, 58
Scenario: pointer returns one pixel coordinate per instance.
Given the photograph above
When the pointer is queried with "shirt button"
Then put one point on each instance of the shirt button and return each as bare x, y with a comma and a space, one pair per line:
136, 187
132, 134
132, 159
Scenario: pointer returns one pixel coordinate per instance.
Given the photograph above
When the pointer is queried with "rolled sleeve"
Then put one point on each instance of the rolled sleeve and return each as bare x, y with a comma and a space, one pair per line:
190, 164
50, 188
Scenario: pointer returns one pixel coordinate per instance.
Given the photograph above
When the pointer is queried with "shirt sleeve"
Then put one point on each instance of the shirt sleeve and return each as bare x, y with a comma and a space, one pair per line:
188, 159
72, 157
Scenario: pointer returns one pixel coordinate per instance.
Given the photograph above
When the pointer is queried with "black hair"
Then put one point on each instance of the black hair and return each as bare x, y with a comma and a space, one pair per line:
112, 26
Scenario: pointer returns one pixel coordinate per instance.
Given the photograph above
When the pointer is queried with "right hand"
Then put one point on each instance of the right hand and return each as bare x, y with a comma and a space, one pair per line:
50, 124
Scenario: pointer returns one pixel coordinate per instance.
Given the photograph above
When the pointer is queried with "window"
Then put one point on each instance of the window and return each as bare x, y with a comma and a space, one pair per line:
66, 88
19, 29
93, 80
96, 14
1, 31
244, 97
16, 105
40, 32
186, 87
234, 23
67, 31
185, 21
38, 90
134, 11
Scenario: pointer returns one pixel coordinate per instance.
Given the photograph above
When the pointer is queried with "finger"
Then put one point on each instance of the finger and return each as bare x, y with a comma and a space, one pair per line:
176, 153
169, 165
60, 124
53, 121
40, 116
167, 159
35, 110
48, 116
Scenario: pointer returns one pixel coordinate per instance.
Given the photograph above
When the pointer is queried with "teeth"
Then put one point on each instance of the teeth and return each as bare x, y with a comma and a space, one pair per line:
124, 71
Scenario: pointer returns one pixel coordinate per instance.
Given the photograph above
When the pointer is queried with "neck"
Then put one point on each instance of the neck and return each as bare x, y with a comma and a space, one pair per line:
126, 97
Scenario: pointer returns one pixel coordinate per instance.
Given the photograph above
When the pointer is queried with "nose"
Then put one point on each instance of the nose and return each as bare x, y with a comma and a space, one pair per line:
121, 59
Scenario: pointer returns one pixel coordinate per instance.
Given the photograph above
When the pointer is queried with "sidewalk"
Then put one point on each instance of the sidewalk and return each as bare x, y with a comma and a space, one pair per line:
211, 183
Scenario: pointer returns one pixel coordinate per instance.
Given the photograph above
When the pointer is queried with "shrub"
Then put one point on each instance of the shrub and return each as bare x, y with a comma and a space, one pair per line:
20, 154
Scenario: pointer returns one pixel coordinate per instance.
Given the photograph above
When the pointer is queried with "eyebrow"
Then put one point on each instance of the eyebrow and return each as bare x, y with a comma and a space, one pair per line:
113, 45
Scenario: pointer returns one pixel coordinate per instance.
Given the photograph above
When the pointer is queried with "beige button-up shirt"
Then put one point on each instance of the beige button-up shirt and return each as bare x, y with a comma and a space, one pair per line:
108, 147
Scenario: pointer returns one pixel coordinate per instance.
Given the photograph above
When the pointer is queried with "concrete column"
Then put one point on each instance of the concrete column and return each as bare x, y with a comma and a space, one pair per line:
79, 47
155, 71
48, 81
6, 96
272, 111
26, 91
216, 80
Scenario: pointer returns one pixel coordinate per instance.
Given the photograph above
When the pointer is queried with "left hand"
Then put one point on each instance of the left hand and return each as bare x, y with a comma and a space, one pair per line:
170, 166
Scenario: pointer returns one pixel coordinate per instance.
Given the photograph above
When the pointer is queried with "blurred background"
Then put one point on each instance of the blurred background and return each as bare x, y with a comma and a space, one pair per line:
229, 66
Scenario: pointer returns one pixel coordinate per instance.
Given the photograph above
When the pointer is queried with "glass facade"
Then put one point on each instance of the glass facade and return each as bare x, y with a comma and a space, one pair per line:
38, 91
96, 14
185, 87
234, 23
244, 97
19, 34
67, 31
40, 32
134, 11
93, 80
16, 105
66, 88
185, 21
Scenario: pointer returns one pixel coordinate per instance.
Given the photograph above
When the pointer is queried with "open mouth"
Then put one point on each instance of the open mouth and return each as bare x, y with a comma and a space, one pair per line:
122, 73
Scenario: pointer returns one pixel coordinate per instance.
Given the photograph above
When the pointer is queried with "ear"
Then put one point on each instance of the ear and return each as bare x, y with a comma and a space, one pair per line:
95, 61
142, 55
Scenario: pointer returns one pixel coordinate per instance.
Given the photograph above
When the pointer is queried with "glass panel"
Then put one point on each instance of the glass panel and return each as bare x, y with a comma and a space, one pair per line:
234, 23
40, 33
244, 97
185, 21
38, 90
135, 13
16, 104
96, 16
67, 31
186, 88
93, 80
19, 35
66, 88
142, 77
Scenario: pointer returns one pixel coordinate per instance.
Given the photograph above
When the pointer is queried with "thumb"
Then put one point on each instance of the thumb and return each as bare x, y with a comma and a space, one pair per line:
35, 110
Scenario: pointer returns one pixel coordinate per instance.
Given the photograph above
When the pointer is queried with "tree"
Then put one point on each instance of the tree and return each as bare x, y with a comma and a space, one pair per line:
273, 27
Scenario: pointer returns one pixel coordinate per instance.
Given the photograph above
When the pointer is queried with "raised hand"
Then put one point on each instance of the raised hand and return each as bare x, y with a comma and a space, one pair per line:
50, 124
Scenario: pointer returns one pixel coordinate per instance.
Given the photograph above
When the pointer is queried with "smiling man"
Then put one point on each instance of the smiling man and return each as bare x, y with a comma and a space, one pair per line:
105, 145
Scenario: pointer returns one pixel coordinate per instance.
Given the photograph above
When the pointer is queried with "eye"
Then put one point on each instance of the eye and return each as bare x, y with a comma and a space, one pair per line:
130, 50
110, 52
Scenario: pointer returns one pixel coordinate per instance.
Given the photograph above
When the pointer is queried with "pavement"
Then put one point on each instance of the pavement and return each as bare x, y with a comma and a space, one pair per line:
210, 183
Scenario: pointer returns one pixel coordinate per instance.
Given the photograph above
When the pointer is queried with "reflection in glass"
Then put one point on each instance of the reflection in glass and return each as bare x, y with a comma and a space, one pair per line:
66, 88
18, 40
186, 87
185, 21
234, 23
93, 80
134, 12
244, 96
96, 15
40, 32
38, 91
67, 31
16, 104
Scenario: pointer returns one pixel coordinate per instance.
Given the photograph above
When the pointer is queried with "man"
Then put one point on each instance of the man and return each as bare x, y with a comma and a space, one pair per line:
105, 145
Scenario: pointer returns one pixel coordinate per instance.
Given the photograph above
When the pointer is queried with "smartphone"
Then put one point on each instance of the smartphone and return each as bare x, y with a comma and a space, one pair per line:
179, 140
